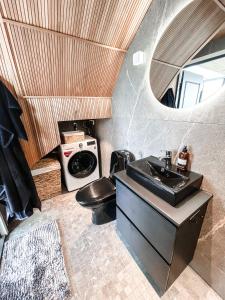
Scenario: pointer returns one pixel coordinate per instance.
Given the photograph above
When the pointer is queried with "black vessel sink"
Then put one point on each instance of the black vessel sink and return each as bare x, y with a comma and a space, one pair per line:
168, 183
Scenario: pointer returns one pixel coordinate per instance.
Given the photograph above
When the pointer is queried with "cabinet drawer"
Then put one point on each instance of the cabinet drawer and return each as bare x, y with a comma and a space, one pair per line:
149, 260
155, 227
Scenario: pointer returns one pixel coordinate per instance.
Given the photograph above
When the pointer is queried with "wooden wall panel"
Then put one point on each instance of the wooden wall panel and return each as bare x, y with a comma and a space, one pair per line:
81, 108
46, 112
109, 22
31, 147
7, 69
57, 66
8, 75
45, 127
189, 31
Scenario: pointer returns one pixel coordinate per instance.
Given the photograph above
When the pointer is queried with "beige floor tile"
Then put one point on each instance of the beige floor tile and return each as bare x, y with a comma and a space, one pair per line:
98, 264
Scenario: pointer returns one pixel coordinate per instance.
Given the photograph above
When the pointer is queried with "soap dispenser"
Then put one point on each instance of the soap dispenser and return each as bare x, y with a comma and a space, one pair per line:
183, 158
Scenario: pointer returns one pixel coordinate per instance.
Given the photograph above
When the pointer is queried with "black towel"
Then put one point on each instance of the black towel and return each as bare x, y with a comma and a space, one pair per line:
21, 195
168, 98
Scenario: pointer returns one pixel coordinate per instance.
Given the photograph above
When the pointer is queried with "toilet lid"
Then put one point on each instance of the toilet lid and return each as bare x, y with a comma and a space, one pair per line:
97, 192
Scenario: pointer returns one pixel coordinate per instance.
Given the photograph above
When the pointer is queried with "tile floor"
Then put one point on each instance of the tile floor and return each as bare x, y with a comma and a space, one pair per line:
98, 264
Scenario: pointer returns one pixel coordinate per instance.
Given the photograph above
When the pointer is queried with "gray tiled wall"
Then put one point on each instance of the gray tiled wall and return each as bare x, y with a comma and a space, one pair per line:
141, 124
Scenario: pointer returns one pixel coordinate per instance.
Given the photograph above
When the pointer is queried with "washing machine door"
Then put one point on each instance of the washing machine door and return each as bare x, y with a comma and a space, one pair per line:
82, 164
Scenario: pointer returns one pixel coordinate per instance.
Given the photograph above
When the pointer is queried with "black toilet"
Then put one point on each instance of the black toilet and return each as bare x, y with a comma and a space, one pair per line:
100, 195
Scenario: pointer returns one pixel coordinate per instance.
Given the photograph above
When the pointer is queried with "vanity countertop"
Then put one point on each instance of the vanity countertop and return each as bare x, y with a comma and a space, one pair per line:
178, 214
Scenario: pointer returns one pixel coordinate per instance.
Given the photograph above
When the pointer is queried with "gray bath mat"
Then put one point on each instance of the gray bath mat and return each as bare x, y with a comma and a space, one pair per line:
33, 267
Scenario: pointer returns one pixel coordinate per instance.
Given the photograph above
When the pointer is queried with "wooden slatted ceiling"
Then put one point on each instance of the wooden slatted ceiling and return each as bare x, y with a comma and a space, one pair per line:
51, 65
71, 48
108, 22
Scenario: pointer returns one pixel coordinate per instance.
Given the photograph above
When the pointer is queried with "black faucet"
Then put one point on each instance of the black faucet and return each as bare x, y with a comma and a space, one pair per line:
75, 126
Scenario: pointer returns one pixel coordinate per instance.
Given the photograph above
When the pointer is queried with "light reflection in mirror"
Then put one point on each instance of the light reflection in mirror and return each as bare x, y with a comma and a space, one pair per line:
198, 82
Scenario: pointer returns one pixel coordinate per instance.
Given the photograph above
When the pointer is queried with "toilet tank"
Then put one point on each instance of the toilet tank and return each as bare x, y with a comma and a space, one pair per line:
119, 160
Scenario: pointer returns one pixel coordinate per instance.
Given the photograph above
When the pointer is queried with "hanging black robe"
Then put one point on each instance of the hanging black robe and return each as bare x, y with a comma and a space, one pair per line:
21, 195
169, 99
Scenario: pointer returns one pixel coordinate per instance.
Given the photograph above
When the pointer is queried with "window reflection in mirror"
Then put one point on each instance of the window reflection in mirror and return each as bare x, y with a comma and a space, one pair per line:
196, 83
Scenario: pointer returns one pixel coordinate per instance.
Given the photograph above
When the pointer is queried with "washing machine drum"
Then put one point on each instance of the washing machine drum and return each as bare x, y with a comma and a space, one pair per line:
82, 164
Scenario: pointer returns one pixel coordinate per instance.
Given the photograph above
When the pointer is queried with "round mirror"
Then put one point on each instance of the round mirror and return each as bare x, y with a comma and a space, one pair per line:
188, 65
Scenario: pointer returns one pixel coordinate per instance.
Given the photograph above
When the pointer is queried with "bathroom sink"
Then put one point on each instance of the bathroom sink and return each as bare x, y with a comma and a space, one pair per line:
168, 183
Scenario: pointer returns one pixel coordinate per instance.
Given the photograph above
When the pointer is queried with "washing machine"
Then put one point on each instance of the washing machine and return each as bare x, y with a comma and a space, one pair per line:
80, 163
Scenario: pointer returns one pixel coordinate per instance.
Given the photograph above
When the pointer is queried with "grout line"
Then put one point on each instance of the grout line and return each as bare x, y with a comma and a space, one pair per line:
190, 122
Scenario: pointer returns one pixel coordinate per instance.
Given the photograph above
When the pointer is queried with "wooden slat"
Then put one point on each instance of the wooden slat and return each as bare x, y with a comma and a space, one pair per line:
189, 31
108, 22
55, 66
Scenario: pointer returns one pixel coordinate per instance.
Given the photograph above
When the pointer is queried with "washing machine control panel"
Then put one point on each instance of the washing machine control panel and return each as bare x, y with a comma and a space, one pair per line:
90, 143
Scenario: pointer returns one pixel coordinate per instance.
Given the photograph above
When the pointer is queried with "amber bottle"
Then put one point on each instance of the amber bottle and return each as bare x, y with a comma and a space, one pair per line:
183, 158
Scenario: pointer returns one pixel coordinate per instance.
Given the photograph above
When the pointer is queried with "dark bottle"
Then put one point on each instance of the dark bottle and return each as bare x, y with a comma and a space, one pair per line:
183, 158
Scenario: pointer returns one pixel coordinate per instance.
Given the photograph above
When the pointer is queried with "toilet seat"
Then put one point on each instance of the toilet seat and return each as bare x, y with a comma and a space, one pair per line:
96, 193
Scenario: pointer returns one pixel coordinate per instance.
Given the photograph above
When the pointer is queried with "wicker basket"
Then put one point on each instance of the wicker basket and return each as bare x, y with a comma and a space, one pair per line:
47, 178
69, 137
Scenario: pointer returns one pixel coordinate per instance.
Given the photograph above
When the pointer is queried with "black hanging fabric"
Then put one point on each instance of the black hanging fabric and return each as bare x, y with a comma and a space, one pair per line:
21, 195
168, 99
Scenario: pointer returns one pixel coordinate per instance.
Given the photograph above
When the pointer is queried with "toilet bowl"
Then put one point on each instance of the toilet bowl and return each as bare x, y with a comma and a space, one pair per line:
100, 195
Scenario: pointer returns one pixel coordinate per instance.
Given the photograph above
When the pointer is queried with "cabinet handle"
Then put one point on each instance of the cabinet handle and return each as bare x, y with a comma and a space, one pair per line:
192, 220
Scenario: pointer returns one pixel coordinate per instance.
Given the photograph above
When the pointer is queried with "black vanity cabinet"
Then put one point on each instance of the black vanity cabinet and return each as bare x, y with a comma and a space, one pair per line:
162, 238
